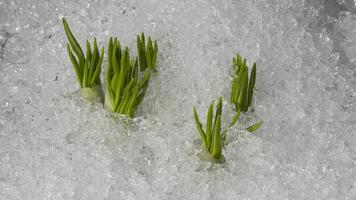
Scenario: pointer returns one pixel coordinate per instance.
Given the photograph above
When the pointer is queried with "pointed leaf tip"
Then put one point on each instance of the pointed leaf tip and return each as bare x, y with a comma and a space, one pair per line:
254, 127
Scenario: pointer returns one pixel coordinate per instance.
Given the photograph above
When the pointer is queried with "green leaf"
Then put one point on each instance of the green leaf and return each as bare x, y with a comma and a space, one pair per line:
120, 85
138, 47
141, 49
85, 72
132, 69
114, 61
242, 100
217, 113
119, 51
239, 60
96, 52
254, 127
199, 127
73, 42
75, 65
154, 59
149, 53
251, 84
135, 69
87, 64
209, 124
216, 145
233, 89
93, 62
127, 66
236, 65
109, 70
143, 39
240, 82
126, 97
98, 68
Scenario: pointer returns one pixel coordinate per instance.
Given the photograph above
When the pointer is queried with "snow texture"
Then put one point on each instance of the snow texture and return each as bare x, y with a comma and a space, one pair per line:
56, 145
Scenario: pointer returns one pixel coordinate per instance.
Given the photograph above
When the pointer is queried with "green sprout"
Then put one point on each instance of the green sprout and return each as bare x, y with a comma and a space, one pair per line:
254, 127
213, 137
125, 90
87, 67
242, 87
147, 54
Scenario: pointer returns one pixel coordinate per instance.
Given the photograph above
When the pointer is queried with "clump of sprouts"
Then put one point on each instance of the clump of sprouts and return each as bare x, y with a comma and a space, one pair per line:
211, 137
87, 67
147, 53
126, 82
242, 86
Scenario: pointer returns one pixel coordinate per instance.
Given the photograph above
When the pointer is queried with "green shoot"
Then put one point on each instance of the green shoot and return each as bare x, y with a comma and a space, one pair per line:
254, 127
87, 67
147, 53
242, 86
125, 89
211, 138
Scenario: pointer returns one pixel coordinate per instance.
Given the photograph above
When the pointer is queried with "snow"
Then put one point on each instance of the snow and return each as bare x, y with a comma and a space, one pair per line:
56, 145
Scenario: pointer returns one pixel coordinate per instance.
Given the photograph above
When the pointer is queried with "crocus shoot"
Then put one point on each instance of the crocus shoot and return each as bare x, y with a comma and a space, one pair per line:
87, 67
211, 137
242, 86
147, 53
125, 89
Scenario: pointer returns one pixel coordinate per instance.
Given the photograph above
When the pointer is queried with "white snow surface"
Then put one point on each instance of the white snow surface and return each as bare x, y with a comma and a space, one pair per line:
56, 145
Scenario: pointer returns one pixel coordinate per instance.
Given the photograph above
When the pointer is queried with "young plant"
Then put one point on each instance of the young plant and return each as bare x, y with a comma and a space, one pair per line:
147, 54
213, 137
242, 87
125, 90
87, 67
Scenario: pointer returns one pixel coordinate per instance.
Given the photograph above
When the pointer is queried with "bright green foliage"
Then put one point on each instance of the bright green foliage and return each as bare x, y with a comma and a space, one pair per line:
147, 53
242, 87
211, 137
88, 67
126, 89
254, 127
